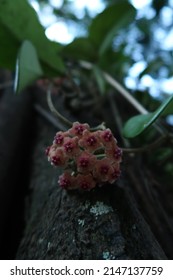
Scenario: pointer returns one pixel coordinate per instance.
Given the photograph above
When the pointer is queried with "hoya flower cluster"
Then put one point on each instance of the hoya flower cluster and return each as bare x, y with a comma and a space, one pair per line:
88, 158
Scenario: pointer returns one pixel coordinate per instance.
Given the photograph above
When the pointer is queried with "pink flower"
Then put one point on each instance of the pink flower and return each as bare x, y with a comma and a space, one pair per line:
85, 182
115, 173
88, 157
90, 141
67, 181
59, 138
71, 147
106, 135
78, 129
115, 154
47, 151
107, 138
85, 162
51, 151
58, 158
102, 170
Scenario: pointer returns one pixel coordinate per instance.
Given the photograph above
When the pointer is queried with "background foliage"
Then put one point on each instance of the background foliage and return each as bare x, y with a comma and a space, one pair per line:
115, 40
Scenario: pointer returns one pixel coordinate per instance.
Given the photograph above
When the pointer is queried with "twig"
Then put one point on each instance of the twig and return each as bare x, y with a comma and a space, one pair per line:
117, 118
65, 121
101, 126
146, 148
39, 109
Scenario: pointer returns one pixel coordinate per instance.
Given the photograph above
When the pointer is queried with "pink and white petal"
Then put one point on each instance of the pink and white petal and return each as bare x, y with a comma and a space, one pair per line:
78, 129
67, 181
85, 182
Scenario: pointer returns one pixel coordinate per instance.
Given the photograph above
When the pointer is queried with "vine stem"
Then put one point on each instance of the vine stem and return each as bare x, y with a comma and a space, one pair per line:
148, 147
49, 117
143, 149
62, 118
54, 111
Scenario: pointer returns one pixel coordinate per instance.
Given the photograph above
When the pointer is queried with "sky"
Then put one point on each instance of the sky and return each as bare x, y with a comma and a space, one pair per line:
64, 34
67, 33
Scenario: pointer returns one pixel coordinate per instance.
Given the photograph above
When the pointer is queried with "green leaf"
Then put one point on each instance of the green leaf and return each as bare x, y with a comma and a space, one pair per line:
28, 67
169, 109
80, 48
8, 48
108, 23
136, 125
153, 66
20, 22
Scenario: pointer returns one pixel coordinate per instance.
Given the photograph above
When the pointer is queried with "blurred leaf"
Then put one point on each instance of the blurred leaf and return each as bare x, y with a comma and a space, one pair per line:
140, 123
169, 108
105, 26
8, 48
80, 48
147, 100
60, 12
153, 66
28, 67
158, 5
115, 62
99, 78
21, 22
169, 168
163, 154
135, 125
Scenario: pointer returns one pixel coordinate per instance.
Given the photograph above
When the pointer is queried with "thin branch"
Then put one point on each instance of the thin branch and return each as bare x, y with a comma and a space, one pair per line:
65, 121
48, 116
146, 148
54, 111
101, 126
117, 118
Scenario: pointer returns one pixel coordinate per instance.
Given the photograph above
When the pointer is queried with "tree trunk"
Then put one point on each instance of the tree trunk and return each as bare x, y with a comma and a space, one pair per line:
15, 120
104, 223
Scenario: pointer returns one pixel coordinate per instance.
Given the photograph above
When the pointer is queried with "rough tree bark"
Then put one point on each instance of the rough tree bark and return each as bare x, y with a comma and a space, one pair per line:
104, 223
15, 119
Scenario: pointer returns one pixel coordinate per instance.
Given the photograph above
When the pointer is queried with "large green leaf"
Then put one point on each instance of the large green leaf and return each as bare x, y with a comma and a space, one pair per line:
18, 22
140, 123
9, 46
28, 67
108, 23
169, 108
153, 66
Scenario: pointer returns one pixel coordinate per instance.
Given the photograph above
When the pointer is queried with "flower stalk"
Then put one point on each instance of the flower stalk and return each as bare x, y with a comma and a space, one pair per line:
54, 111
